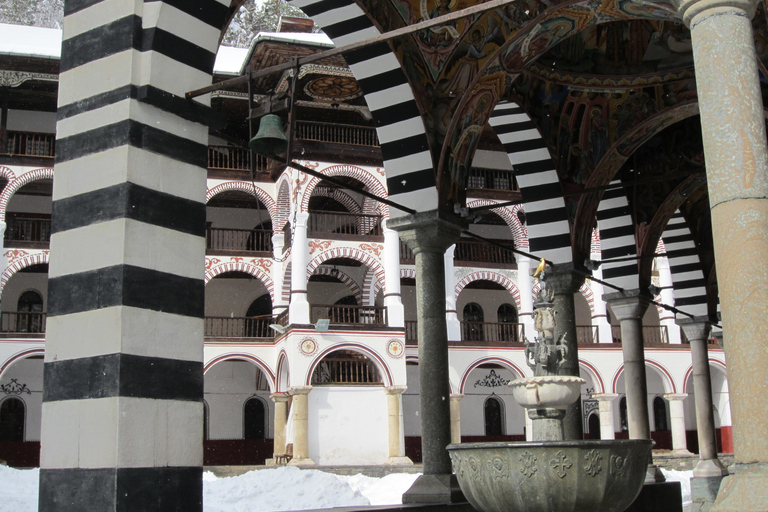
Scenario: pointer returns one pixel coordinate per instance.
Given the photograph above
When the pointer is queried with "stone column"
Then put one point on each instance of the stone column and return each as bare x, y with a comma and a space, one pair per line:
456, 418
281, 416
451, 316
298, 310
392, 299
565, 282
677, 423
709, 466
429, 234
733, 130
628, 307
395, 421
607, 423
300, 405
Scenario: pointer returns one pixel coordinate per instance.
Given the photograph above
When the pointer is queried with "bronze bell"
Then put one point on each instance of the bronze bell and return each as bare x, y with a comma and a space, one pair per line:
270, 139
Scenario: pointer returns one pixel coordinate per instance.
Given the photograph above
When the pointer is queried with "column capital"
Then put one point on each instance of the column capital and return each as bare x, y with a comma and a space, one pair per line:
279, 397
606, 397
431, 231
299, 390
456, 396
628, 304
672, 397
689, 10
696, 328
301, 218
563, 279
395, 390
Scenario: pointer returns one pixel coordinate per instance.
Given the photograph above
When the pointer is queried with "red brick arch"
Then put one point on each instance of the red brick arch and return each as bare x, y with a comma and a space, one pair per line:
351, 171
39, 258
488, 275
509, 214
245, 267
250, 189
14, 185
347, 252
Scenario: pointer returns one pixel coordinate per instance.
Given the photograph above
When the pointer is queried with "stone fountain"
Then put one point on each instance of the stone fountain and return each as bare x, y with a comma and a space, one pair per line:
550, 474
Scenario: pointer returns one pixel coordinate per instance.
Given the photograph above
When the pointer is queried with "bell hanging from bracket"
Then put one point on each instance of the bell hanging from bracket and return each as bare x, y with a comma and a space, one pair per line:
270, 139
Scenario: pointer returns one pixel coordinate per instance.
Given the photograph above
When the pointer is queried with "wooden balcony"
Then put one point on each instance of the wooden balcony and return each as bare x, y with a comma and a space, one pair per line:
28, 231
406, 254
22, 323
40, 145
374, 316
587, 334
474, 253
239, 327
340, 371
344, 226
476, 333
227, 242
492, 184
652, 334
337, 133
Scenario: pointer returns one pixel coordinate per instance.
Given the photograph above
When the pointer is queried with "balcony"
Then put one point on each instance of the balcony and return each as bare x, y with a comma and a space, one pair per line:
29, 144
28, 231
374, 316
228, 242
239, 327
587, 334
338, 142
344, 226
492, 184
23, 324
480, 334
652, 334
474, 253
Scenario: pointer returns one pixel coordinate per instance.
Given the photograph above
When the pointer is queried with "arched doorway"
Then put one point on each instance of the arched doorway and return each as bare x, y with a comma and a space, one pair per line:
660, 422
593, 426
12, 415
254, 419
494, 416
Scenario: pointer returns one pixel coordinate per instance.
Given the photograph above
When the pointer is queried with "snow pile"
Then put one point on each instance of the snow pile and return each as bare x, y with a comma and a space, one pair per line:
382, 491
684, 477
18, 489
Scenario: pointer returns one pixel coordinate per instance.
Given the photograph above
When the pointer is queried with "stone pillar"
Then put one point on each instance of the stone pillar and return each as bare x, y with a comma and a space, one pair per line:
564, 282
451, 315
298, 310
300, 406
525, 284
392, 299
607, 423
628, 307
281, 417
395, 422
429, 234
709, 466
733, 130
456, 418
677, 423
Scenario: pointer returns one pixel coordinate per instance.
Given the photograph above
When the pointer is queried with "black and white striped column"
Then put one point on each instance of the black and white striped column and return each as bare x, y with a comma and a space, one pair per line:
123, 386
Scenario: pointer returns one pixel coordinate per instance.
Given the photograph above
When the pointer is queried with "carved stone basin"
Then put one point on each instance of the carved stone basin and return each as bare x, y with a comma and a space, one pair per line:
551, 391
553, 476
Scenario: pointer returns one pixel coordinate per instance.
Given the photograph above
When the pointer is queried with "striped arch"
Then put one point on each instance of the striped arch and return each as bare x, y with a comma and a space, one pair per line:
344, 278
283, 377
14, 185
24, 354
350, 171
594, 374
7, 173
498, 360
488, 275
241, 266
666, 377
509, 214
38, 258
549, 233
244, 357
383, 367
588, 294
399, 126
283, 205
617, 238
596, 245
689, 371
688, 282
250, 189
339, 195
347, 252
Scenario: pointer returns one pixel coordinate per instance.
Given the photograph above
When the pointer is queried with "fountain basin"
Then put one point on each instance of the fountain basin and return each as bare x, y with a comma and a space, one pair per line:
550, 391
552, 476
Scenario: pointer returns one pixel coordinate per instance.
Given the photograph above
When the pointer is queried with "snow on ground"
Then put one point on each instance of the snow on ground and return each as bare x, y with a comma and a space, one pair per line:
265, 490
684, 477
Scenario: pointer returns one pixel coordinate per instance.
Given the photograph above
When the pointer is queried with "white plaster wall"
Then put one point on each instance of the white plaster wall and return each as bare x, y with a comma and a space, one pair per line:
228, 385
31, 121
27, 372
22, 203
231, 296
22, 282
411, 405
348, 425
326, 293
237, 218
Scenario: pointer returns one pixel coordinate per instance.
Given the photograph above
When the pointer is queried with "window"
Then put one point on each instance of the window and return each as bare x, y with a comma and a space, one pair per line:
494, 416
473, 322
254, 419
660, 414
507, 318
256, 327
12, 412
30, 312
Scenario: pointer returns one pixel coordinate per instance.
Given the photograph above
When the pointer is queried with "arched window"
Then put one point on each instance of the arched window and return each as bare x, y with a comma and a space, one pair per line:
494, 416
258, 318
506, 315
593, 424
473, 322
254, 419
12, 412
30, 308
623, 424
345, 367
660, 414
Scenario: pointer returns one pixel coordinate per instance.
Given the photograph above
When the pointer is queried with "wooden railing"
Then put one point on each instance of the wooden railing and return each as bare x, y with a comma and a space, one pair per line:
345, 371
22, 322
343, 223
405, 252
652, 334
238, 327
350, 315
337, 133
28, 229
491, 179
587, 334
238, 240
411, 332
282, 318
233, 158
29, 144
500, 332
481, 252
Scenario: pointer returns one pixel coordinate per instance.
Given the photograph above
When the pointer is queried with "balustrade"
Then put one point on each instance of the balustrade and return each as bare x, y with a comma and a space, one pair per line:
238, 327
22, 322
29, 144
350, 315
337, 133
28, 229
494, 332
335, 371
411, 332
491, 179
587, 334
469, 250
238, 240
344, 223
